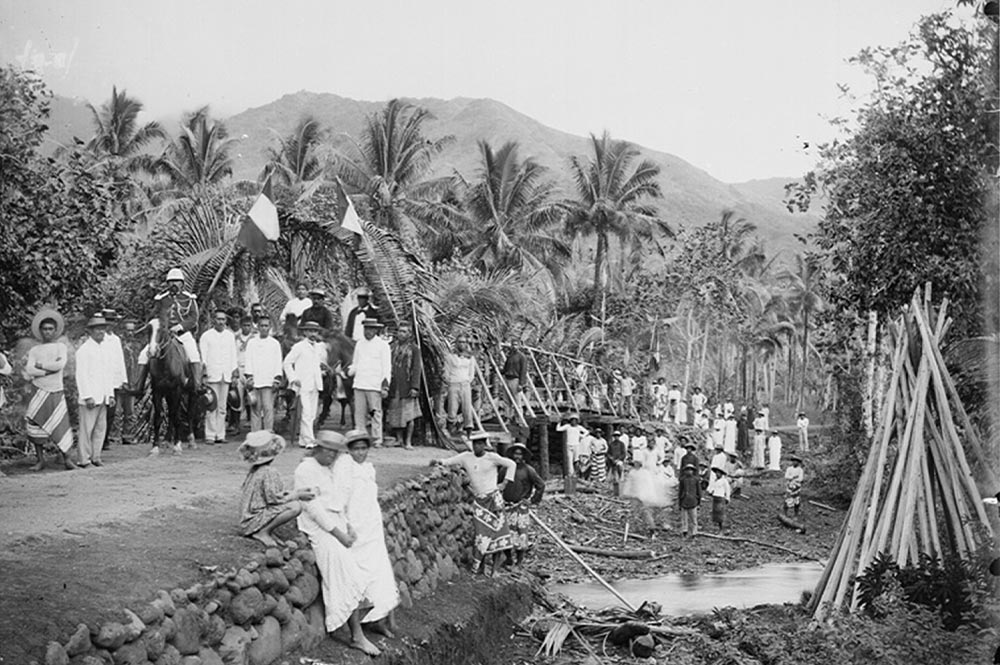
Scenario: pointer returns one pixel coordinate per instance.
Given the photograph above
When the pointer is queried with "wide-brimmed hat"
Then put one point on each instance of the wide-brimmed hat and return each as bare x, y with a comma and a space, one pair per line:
110, 314
720, 446
363, 292
96, 321
261, 447
689, 466
481, 434
372, 323
310, 325
574, 416
43, 314
517, 446
317, 292
326, 438
691, 445
722, 471
795, 458
356, 435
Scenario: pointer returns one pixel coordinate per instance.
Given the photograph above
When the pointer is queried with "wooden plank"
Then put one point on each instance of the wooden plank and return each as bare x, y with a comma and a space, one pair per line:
545, 384
513, 398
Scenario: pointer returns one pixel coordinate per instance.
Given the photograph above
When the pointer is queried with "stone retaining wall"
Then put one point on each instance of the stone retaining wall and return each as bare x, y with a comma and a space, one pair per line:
252, 614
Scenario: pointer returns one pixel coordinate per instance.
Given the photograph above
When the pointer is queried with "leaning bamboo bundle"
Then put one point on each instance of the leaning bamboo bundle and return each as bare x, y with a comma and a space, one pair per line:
917, 494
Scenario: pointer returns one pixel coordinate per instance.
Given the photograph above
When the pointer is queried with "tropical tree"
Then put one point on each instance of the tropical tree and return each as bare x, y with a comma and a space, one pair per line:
118, 134
199, 156
802, 293
613, 200
390, 162
507, 218
295, 162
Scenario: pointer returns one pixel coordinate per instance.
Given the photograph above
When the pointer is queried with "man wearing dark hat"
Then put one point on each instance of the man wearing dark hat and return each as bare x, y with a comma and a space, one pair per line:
492, 532
691, 456
371, 368
177, 310
95, 384
689, 498
353, 327
617, 456
318, 312
47, 416
525, 490
303, 368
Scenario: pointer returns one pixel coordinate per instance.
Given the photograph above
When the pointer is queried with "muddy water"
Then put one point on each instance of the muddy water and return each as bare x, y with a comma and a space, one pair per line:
695, 594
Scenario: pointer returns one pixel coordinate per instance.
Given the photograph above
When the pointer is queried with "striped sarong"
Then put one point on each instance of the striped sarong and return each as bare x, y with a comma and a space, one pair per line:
47, 417
492, 533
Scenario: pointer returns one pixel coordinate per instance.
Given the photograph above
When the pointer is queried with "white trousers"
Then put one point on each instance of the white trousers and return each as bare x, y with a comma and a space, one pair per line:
93, 425
215, 421
309, 400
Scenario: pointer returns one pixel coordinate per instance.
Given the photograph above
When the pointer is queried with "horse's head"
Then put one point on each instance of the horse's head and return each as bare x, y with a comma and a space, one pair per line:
341, 348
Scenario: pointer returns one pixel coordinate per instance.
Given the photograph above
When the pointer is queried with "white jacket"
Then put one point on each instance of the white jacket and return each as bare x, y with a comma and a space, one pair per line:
302, 364
372, 364
95, 376
263, 361
218, 352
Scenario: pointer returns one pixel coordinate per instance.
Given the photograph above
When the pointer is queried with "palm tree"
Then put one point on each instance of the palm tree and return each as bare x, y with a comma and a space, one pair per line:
392, 158
294, 162
118, 134
199, 157
508, 219
803, 296
613, 199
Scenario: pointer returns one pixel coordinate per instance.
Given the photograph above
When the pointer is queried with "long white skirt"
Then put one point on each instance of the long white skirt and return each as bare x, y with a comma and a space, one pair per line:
341, 578
376, 568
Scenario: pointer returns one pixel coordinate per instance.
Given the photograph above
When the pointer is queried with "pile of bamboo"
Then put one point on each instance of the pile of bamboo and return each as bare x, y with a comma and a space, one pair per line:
917, 493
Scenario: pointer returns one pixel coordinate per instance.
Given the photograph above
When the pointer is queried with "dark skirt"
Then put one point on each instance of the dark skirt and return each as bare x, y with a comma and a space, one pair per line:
720, 511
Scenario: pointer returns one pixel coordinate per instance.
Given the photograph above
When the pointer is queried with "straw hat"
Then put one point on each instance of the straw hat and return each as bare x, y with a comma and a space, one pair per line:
517, 446
372, 323
97, 321
481, 434
310, 325
47, 313
795, 458
331, 440
722, 471
356, 435
261, 447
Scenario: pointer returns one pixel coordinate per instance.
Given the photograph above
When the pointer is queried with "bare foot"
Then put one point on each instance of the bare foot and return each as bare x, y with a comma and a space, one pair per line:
39, 466
265, 538
363, 644
97, 462
382, 628
68, 463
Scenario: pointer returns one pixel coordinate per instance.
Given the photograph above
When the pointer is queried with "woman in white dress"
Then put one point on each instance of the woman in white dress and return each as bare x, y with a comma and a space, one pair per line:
356, 496
343, 581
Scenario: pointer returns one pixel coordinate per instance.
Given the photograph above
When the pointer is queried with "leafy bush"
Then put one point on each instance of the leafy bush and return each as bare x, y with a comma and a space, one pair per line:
954, 588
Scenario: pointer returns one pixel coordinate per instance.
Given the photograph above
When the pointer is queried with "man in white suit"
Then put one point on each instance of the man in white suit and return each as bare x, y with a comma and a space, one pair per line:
303, 368
218, 352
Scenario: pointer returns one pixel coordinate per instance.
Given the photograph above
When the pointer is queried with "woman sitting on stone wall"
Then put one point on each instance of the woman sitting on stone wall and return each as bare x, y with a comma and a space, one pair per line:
345, 583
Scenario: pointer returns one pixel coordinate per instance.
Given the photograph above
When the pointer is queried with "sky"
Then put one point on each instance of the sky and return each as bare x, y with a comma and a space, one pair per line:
737, 88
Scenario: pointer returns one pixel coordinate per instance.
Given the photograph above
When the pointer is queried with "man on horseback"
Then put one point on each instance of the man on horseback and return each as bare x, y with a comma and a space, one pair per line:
177, 310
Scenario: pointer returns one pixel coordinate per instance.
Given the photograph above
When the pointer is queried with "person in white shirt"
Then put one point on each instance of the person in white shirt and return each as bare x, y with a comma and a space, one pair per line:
765, 411
95, 383
803, 426
218, 351
698, 399
681, 417
296, 305
584, 455
116, 356
774, 451
372, 371
574, 432
242, 336
720, 491
492, 534
794, 475
262, 371
718, 432
729, 433
459, 372
673, 399
303, 368
719, 459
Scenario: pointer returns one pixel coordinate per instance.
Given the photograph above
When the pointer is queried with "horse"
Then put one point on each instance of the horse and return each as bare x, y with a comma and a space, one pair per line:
339, 355
171, 382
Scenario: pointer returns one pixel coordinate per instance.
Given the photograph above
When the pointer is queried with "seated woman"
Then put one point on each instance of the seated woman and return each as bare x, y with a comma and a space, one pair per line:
356, 496
264, 503
344, 583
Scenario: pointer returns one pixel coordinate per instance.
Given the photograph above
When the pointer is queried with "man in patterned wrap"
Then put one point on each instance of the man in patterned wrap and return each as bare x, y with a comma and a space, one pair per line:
492, 533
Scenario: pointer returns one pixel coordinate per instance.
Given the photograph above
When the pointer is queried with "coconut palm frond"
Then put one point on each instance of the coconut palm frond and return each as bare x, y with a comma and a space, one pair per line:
555, 638
591, 336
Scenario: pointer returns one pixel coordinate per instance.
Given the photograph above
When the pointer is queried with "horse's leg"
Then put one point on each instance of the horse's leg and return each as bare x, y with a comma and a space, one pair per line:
173, 419
191, 413
157, 420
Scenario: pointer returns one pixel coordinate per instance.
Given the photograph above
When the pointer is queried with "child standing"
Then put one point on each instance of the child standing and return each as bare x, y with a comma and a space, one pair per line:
721, 493
803, 426
689, 497
264, 503
794, 476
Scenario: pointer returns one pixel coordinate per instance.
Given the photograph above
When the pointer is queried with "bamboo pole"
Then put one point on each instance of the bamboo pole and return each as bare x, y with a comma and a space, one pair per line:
545, 384
953, 517
954, 478
552, 534
513, 398
569, 388
493, 402
934, 542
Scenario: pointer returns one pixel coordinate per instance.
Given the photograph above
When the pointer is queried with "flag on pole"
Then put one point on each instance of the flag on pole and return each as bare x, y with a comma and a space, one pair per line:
351, 221
260, 226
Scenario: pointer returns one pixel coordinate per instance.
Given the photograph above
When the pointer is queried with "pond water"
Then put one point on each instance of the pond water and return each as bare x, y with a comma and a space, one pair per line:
681, 595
